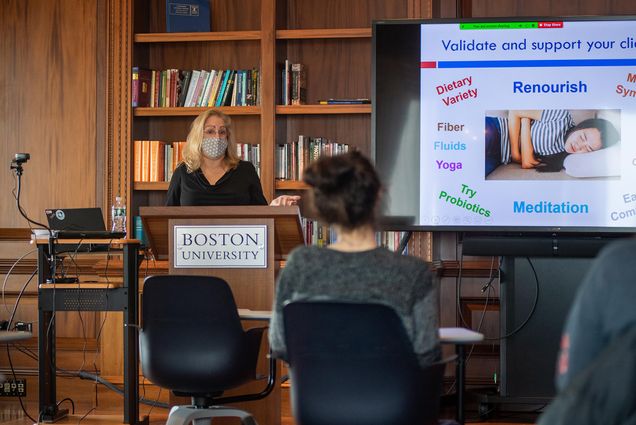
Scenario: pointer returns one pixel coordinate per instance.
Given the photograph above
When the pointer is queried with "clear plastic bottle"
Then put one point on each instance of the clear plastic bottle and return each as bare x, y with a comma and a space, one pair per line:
119, 215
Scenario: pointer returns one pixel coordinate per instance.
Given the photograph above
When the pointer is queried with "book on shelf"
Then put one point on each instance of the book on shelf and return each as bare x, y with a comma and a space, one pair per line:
219, 99
194, 80
141, 87
229, 88
362, 101
292, 158
187, 15
184, 82
139, 232
207, 89
298, 93
293, 84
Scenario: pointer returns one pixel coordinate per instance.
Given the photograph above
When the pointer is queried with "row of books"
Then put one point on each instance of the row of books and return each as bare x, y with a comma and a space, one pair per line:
292, 158
155, 160
293, 84
320, 234
195, 88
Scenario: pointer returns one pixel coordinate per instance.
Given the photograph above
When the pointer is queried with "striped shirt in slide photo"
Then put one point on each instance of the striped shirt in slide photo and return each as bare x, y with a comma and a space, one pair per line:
547, 134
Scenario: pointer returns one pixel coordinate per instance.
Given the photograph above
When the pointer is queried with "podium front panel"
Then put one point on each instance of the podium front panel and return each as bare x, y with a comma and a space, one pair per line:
253, 288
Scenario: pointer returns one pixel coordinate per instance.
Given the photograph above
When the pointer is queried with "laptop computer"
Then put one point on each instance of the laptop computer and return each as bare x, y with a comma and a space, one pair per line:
79, 223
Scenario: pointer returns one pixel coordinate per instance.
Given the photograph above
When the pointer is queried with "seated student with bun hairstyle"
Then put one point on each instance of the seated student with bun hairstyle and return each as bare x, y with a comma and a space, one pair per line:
344, 191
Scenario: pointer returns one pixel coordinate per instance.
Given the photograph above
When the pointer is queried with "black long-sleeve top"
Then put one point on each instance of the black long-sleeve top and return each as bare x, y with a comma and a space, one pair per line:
239, 186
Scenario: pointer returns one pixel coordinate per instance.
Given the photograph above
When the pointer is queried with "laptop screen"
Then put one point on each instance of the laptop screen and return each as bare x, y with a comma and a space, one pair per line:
82, 219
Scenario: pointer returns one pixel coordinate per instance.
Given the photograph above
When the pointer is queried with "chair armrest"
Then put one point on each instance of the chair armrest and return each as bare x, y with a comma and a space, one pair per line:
254, 337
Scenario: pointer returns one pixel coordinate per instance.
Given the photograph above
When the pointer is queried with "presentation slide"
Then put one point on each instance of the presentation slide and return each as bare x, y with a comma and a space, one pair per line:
528, 124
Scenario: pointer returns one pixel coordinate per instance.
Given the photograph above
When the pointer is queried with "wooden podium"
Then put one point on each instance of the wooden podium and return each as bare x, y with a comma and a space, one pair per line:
252, 286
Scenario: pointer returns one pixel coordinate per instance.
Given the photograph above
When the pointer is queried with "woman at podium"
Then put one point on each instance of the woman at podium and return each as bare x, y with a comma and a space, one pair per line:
212, 173
344, 192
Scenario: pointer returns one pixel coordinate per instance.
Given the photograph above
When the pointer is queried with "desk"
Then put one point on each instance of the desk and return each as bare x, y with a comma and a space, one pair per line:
460, 337
54, 297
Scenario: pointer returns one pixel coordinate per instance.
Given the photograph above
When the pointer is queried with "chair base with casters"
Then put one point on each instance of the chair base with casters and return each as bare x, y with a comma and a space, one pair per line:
183, 415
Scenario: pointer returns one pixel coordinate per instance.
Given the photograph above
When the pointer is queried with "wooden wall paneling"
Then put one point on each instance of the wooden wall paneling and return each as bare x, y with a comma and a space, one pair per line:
11, 251
309, 14
47, 75
51, 105
492, 8
119, 163
101, 105
236, 15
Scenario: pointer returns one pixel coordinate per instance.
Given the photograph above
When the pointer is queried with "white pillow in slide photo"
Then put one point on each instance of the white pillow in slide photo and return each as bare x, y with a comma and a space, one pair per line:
601, 163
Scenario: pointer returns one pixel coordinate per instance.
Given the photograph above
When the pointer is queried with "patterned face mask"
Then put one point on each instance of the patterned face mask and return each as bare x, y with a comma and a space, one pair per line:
214, 147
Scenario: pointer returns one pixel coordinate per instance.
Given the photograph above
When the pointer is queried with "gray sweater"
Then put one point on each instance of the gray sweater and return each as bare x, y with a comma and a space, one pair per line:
378, 275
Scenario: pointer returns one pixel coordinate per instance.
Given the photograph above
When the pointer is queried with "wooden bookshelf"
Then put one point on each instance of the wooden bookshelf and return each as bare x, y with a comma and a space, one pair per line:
173, 112
291, 185
324, 33
331, 38
322, 109
188, 37
150, 185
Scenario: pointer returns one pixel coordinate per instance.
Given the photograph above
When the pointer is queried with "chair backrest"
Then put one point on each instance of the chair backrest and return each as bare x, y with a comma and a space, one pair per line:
354, 364
191, 338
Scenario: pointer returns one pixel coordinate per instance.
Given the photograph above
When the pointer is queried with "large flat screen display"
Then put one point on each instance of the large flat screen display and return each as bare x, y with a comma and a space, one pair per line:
507, 124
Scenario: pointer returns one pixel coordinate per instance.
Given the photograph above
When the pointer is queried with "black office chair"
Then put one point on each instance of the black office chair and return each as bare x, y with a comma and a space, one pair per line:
192, 343
354, 364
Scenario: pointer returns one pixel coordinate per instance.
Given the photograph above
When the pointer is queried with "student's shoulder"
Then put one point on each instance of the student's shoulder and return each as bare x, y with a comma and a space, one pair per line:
402, 263
305, 251
618, 253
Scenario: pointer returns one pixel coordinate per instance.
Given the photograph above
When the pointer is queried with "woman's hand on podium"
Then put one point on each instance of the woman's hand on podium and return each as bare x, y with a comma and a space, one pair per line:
285, 201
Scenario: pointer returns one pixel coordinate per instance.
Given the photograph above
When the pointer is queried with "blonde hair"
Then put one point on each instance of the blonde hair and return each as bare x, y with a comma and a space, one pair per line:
192, 150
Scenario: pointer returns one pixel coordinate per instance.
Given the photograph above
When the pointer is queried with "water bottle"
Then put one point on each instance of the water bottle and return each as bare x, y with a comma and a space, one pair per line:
119, 215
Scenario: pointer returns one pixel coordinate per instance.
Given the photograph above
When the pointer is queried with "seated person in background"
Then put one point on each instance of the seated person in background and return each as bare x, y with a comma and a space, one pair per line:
212, 173
344, 192
596, 368
540, 139
602, 310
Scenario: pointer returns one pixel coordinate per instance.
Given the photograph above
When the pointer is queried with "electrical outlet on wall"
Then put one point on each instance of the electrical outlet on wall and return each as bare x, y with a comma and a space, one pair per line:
13, 388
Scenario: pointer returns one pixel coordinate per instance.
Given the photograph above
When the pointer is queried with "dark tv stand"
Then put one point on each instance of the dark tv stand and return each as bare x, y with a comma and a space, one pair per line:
519, 244
528, 356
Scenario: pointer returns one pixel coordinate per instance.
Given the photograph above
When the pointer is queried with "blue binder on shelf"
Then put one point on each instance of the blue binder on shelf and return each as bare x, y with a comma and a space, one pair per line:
187, 16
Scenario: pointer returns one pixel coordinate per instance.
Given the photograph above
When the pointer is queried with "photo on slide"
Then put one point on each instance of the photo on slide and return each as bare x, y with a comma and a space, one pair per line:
561, 144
